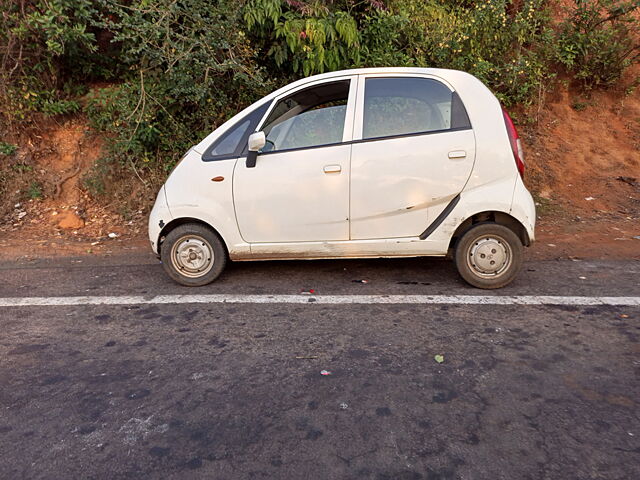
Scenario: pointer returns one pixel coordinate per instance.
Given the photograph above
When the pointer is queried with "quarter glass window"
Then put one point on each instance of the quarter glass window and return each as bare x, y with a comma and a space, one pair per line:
229, 143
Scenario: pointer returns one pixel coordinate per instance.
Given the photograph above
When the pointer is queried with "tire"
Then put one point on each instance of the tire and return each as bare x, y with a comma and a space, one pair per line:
193, 255
489, 256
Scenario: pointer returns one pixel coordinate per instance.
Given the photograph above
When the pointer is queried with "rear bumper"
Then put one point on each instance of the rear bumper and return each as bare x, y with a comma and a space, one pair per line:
524, 209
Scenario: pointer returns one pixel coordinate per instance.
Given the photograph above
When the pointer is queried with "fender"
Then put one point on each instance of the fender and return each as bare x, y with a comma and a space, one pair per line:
479, 199
204, 191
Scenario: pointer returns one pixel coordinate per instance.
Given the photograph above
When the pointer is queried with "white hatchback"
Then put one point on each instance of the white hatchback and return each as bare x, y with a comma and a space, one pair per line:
383, 162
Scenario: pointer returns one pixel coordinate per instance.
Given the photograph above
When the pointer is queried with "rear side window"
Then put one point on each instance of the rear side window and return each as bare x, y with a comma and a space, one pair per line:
408, 106
233, 143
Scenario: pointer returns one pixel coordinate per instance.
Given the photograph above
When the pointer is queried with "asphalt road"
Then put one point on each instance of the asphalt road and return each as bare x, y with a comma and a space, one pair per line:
234, 391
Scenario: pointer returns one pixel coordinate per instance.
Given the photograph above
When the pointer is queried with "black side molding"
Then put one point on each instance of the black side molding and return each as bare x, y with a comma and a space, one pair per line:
436, 223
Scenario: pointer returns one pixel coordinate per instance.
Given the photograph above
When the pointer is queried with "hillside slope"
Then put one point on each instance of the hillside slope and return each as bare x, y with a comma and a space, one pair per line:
585, 154
583, 168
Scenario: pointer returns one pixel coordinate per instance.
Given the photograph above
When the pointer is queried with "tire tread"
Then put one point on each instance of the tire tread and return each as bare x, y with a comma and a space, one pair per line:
219, 252
484, 229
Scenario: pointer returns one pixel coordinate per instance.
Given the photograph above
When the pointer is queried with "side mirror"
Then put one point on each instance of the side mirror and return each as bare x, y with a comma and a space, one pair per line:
256, 141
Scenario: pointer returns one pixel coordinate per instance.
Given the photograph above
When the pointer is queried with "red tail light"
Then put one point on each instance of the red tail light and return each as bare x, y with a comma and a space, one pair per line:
514, 140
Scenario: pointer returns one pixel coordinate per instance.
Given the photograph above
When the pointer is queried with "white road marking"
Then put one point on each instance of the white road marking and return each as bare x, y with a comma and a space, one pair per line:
320, 299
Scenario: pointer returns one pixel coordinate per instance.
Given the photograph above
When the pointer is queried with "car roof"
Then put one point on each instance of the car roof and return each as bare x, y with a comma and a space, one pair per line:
440, 72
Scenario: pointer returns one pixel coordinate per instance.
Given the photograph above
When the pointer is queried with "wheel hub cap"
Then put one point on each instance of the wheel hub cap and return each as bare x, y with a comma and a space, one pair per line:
192, 256
489, 256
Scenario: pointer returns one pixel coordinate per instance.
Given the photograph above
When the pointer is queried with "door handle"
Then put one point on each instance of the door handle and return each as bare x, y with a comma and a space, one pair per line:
332, 169
457, 154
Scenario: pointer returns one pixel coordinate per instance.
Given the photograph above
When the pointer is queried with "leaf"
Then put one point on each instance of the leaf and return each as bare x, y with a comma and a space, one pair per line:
439, 358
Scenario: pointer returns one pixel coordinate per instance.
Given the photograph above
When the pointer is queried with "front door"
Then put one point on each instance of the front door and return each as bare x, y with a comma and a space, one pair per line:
414, 152
299, 188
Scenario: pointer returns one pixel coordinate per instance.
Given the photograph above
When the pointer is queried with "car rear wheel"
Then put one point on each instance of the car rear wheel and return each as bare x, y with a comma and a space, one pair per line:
489, 256
193, 255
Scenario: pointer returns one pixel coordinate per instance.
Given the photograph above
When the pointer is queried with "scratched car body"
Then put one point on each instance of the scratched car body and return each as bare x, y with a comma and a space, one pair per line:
385, 162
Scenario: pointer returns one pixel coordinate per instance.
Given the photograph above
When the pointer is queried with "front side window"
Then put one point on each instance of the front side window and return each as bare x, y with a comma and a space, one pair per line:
311, 117
405, 106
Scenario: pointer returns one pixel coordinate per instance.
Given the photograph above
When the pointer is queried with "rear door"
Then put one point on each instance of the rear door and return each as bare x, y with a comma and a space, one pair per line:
413, 152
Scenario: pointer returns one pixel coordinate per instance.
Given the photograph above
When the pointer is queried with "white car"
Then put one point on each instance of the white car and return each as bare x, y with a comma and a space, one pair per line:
376, 162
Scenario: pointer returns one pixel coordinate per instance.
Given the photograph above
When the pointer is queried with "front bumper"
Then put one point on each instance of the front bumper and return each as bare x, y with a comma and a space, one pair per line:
159, 217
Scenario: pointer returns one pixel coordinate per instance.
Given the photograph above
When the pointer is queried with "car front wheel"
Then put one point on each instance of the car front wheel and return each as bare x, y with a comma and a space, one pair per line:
193, 255
489, 256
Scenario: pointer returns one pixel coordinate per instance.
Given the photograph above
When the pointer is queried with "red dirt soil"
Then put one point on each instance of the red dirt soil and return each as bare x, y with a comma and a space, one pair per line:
584, 170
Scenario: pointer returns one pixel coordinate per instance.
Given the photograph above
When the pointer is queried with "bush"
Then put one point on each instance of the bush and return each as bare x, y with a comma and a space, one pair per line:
598, 40
492, 39
498, 42
41, 42
303, 38
189, 69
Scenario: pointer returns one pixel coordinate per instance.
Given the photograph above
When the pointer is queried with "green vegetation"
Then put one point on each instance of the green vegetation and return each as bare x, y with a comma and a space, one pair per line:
34, 191
187, 67
504, 46
7, 149
154, 77
596, 40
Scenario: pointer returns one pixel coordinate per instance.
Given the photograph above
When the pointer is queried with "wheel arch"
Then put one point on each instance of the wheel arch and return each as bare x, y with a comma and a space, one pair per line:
500, 218
176, 222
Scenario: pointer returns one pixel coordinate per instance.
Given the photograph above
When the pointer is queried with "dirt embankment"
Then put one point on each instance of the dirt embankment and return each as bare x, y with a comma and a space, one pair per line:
66, 220
586, 153
584, 170
583, 167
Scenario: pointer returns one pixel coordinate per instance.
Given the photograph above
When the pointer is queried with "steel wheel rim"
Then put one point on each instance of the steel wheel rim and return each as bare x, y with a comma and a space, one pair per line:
192, 256
489, 256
